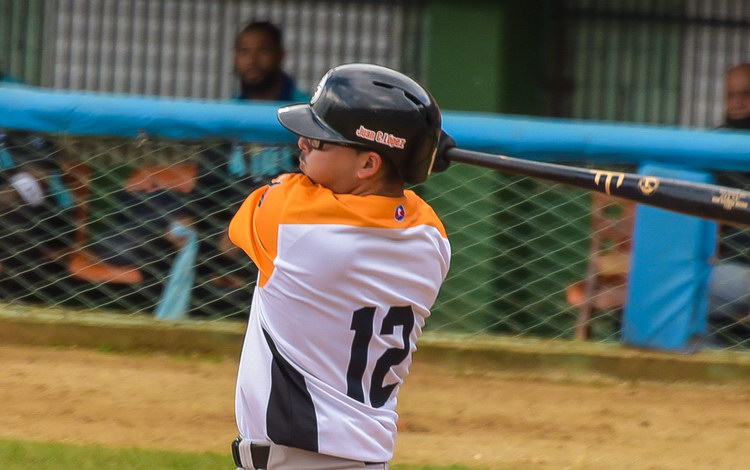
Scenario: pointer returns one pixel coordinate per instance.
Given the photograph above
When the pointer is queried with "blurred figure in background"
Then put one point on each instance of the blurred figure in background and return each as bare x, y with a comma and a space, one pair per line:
258, 58
258, 55
234, 170
729, 298
231, 171
36, 225
156, 219
737, 98
35, 214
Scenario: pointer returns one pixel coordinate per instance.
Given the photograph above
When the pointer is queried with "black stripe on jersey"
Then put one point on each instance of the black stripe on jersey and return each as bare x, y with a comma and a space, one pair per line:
290, 417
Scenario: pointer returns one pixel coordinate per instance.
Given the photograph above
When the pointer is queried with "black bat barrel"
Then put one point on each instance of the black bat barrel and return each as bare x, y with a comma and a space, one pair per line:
707, 201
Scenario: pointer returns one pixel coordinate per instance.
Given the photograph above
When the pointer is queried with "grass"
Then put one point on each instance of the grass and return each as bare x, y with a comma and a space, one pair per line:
24, 455
27, 455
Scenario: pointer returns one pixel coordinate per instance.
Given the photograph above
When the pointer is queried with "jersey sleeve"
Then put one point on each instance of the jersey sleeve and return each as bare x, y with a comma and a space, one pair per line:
254, 229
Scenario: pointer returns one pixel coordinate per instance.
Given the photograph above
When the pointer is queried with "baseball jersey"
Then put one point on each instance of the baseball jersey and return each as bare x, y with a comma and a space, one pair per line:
344, 287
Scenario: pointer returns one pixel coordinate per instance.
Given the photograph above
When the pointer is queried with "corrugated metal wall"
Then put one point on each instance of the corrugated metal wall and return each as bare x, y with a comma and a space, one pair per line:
657, 61
624, 64
21, 39
184, 48
716, 38
654, 61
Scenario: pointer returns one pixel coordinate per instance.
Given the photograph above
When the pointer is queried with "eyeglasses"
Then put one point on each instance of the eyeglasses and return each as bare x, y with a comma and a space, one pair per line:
317, 144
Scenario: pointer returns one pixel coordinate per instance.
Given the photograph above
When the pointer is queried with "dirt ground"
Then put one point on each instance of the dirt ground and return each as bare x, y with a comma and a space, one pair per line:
488, 420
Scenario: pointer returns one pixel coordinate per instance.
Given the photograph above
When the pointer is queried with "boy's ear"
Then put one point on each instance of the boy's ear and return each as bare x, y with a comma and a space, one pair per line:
372, 163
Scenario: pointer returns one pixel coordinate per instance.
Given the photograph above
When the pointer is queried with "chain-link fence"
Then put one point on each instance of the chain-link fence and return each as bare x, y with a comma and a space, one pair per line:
106, 224
92, 223
729, 315
138, 224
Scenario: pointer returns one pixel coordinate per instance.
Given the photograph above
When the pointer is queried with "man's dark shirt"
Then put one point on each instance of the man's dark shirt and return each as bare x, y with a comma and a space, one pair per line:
289, 92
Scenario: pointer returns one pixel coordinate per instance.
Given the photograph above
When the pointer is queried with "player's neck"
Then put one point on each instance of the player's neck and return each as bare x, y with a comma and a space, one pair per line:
378, 187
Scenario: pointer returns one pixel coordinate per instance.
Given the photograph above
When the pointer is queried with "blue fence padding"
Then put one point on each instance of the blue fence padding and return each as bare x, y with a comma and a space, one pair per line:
43, 110
568, 140
667, 300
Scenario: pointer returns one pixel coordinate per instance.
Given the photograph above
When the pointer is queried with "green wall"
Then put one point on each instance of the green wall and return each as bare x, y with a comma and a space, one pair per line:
488, 55
513, 257
464, 54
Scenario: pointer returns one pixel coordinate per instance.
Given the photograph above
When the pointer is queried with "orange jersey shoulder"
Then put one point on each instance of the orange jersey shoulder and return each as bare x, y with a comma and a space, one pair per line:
294, 199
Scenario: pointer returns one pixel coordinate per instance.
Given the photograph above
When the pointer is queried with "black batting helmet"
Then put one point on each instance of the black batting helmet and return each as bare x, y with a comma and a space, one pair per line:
374, 107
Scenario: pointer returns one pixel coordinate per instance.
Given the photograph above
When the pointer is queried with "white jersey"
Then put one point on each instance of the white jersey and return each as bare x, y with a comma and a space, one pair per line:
345, 285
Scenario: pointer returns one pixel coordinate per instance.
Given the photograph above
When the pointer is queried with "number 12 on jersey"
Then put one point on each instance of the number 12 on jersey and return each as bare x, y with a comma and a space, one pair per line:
362, 325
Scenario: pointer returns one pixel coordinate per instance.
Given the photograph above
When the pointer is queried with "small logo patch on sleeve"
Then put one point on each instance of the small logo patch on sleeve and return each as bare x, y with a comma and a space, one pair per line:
400, 213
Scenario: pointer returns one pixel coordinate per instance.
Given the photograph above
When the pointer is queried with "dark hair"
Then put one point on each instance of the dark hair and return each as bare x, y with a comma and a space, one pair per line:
392, 174
267, 27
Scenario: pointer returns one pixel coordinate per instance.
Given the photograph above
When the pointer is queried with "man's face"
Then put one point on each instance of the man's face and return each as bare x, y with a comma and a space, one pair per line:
738, 94
257, 60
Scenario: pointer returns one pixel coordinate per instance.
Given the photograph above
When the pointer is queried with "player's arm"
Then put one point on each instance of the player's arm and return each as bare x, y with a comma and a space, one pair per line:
241, 226
254, 228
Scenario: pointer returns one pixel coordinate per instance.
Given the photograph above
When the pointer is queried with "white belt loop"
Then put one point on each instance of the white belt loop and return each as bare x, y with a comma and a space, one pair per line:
246, 455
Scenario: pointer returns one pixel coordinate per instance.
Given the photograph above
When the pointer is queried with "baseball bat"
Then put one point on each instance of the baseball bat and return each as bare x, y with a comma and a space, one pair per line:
708, 201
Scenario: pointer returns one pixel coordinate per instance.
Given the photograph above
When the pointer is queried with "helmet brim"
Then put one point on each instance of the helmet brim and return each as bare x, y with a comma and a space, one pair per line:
301, 120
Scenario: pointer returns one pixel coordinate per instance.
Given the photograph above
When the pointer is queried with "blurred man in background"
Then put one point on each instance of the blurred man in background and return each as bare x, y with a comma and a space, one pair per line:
729, 298
223, 175
237, 169
231, 171
258, 55
737, 97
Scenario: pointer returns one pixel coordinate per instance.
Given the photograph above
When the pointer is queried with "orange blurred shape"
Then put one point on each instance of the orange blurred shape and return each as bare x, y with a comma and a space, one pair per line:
87, 267
180, 178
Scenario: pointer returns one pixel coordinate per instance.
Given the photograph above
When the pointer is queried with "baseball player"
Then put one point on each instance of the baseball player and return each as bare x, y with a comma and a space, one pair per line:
349, 264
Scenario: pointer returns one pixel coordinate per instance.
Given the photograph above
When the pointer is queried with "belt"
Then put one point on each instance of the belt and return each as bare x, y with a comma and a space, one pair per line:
258, 454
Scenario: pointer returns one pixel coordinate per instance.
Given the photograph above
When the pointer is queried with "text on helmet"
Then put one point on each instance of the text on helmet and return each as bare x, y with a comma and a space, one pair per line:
381, 137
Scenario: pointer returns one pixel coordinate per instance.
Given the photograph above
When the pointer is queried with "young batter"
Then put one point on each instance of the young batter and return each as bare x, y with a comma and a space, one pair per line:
349, 264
